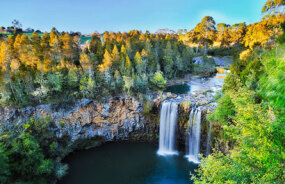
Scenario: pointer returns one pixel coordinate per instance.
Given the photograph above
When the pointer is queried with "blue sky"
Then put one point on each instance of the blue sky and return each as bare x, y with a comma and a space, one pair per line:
88, 16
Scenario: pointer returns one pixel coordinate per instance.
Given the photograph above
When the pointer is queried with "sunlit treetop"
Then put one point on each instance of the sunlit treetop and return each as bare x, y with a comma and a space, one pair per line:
274, 7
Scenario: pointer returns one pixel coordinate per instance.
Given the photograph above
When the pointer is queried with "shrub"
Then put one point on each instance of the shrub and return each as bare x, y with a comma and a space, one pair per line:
158, 81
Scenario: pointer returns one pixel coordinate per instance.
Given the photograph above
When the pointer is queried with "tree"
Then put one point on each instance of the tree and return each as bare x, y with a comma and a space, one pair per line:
205, 32
36, 44
87, 86
140, 84
28, 161
54, 44
273, 7
128, 66
68, 48
115, 57
55, 82
274, 11
139, 64
5, 57
223, 35
264, 33
158, 80
96, 47
72, 79
45, 45
168, 64
151, 63
281, 38
237, 33
129, 83
119, 83
86, 62
16, 24
106, 63
4, 165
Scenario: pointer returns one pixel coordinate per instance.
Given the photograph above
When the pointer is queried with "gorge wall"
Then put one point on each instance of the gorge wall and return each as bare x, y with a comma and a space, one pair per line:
116, 120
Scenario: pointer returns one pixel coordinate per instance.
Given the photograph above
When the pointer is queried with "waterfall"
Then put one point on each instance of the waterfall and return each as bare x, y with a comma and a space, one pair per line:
168, 120
209, 139
193, 136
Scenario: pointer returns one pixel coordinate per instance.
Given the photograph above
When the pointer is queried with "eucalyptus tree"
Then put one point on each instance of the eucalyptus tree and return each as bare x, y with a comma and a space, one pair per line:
223, 36
205, 32
237, 33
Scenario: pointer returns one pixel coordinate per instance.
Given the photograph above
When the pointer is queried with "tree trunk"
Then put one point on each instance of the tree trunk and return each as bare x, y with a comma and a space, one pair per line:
197, 49
205, 49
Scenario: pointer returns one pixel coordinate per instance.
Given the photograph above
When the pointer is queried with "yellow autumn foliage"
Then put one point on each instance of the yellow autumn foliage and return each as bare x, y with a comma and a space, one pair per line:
244, 54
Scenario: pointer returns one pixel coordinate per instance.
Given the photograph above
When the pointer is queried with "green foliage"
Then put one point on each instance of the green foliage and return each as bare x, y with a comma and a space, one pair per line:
27, 159
281, 38
72, 79
87, 86
140, 84
186, 104
146, 107
168, 65
158, 81
4, 165
30, 154
207, 69
251, 114
225, 112
217, 168
272, 86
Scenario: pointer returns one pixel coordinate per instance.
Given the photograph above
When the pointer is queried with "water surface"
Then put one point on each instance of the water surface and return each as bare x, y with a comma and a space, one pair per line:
178, 89
126, 163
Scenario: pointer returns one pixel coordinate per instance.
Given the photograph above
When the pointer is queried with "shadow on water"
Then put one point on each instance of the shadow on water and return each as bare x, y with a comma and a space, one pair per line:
126, 163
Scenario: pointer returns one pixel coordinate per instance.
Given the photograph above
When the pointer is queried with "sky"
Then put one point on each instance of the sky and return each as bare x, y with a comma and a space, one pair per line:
87, 16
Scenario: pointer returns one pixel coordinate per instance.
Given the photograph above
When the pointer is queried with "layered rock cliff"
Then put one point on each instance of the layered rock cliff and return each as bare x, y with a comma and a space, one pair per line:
115, 120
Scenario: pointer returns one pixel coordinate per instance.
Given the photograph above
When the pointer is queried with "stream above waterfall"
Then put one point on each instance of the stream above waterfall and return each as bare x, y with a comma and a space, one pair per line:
194, 85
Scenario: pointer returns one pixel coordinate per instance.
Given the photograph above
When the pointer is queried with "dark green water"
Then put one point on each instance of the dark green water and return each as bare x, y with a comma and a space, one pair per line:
178, 89
126, 163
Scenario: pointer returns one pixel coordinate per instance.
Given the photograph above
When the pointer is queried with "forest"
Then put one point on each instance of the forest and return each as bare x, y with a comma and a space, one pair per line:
56, 68
35, 69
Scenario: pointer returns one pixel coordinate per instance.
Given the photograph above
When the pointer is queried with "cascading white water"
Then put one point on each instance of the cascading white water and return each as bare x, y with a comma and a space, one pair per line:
168, 121
209, 139
193, 136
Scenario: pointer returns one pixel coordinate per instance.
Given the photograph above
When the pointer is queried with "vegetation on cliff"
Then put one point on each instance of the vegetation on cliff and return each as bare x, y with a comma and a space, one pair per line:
29, 153
251, 113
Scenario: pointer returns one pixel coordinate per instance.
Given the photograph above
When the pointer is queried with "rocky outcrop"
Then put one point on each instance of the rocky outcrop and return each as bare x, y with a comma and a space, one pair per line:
115, 120
220, 61
205, 101
183, 120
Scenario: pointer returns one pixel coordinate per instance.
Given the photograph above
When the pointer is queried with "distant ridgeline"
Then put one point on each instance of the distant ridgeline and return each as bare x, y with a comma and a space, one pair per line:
45, 67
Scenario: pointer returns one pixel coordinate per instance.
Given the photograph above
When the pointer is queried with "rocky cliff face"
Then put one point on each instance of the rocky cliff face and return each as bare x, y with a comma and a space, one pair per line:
118, 119
114, 120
